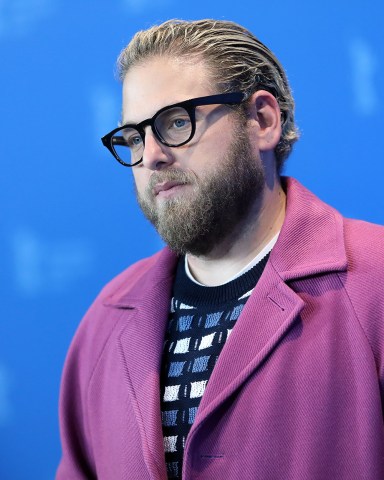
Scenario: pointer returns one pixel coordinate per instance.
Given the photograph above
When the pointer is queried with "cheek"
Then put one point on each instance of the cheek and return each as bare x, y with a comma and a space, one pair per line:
215, 151
140, 179
220, 138
208, 152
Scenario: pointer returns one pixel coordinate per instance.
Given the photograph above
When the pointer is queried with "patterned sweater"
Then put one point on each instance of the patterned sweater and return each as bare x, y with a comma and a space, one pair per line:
200, 322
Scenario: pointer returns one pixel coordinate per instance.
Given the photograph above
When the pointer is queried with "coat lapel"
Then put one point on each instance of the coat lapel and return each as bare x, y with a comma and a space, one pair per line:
267, 316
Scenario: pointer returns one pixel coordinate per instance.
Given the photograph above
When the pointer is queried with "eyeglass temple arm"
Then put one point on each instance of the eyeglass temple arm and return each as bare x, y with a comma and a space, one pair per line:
229, 98
118, 140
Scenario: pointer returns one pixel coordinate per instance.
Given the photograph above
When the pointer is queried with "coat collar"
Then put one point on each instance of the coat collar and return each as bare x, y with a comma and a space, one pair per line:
143, 279
311, 240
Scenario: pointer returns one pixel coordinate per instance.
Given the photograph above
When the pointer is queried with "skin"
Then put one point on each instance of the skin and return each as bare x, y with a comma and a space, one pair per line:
158, 82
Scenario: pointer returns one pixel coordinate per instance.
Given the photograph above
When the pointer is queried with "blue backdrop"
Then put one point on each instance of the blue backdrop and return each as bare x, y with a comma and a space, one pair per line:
69, 221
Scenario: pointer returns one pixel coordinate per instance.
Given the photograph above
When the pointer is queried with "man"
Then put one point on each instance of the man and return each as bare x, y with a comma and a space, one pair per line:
250, 347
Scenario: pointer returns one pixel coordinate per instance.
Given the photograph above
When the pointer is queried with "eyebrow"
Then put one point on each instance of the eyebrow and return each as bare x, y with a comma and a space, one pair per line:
121, 123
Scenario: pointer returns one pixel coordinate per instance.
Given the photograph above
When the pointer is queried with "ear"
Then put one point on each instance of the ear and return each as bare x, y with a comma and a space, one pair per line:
265, 119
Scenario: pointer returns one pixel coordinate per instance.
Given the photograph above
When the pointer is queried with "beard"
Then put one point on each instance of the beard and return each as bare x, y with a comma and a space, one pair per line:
216, 208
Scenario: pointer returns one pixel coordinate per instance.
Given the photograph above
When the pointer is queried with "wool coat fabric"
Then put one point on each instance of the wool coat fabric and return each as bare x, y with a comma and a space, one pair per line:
297, 392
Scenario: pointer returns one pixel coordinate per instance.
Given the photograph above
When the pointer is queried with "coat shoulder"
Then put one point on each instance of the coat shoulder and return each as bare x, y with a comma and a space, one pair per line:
128, 277
364, 281
364, 244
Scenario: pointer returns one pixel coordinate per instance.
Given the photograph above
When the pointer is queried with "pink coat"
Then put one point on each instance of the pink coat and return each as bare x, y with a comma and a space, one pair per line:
296, 393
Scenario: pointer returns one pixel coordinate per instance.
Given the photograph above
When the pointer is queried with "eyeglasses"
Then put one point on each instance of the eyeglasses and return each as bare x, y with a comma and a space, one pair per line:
173, 126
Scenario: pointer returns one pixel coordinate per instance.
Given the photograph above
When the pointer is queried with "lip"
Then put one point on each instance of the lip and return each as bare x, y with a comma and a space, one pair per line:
165, 186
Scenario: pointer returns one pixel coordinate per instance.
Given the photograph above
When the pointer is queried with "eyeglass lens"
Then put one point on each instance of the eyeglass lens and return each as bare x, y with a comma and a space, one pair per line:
172, 127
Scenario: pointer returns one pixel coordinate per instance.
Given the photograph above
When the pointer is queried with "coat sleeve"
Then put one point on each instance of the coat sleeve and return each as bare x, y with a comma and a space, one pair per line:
364, 283
77, 461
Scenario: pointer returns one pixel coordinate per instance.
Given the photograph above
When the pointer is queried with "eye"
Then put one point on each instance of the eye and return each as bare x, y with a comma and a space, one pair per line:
179, 122
132, 139
173, 125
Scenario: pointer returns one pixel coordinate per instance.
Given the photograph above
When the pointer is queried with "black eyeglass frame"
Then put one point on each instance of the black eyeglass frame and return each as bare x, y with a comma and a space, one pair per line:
233, 98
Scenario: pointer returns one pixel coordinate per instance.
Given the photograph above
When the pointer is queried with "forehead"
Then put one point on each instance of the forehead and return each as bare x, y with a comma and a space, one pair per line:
160, 81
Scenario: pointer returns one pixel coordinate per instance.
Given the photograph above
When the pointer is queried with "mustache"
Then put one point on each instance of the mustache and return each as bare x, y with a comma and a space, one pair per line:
170, 175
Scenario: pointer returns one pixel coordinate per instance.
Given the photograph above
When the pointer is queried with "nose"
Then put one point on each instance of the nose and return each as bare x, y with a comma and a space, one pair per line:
156, 156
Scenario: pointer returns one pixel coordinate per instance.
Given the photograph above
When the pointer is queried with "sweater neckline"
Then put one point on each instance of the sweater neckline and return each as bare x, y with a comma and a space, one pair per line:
192, 294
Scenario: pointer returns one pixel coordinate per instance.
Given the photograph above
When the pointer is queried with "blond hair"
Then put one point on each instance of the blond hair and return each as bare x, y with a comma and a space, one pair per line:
236, 60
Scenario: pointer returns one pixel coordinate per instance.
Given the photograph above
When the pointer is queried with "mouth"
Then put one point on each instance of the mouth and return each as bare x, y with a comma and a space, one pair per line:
167, 189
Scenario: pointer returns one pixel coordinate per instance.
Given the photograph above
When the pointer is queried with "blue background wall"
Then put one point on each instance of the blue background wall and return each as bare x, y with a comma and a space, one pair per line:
68, 216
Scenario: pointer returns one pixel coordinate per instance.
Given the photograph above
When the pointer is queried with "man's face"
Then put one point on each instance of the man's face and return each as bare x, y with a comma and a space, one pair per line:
198, 194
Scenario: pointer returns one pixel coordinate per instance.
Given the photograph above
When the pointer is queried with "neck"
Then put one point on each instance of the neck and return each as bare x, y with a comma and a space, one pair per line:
233, 253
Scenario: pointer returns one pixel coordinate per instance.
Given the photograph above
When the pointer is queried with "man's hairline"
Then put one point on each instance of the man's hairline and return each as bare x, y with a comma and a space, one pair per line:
183, 59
